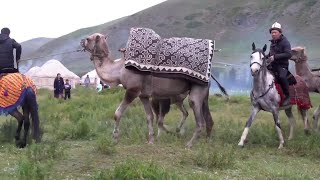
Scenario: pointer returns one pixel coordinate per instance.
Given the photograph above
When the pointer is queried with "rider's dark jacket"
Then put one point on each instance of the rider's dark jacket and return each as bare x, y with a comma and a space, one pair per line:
281, 50
6, 51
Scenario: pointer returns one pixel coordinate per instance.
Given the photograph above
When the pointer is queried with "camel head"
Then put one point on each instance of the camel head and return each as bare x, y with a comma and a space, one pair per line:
96, 44
298, 54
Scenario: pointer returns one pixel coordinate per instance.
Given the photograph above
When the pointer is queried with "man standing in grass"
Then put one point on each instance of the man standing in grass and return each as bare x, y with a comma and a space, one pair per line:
58, 86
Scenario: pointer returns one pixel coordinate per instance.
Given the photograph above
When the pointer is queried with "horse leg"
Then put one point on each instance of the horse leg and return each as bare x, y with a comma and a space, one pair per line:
185, 114
196, 98
304, 115
316, 114
147, 107
128, 98
32, 104
249, 122
291, 120
26, 126
275, 114
16, 114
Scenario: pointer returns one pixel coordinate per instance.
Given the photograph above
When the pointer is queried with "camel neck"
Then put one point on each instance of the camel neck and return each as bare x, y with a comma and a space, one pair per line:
302, 69
109, 70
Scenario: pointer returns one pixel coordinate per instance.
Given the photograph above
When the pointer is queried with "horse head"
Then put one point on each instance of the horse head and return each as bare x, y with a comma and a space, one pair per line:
257, 59
298, 54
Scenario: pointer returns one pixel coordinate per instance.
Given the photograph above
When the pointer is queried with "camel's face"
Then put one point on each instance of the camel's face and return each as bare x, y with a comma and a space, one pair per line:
297, 54
92, 41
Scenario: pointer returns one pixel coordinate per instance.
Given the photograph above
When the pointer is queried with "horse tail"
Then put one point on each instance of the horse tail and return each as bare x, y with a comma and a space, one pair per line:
31, 100
222, 89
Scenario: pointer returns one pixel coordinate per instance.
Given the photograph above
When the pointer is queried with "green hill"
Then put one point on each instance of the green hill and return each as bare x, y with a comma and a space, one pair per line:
234, 25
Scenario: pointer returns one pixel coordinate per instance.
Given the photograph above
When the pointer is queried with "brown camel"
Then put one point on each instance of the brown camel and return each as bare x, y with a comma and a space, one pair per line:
145, 86
161, 106
312, 79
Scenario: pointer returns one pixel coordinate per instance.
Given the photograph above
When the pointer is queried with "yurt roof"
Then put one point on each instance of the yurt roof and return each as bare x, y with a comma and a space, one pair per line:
32, 70
52, 67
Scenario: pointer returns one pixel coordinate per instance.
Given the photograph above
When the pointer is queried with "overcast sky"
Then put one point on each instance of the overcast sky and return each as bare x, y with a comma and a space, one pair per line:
29, 19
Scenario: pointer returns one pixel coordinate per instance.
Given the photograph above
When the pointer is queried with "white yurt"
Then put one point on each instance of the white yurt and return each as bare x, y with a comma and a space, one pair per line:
93, 76
44, 76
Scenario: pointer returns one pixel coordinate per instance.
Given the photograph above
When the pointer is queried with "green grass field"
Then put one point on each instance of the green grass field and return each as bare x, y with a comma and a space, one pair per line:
77, 143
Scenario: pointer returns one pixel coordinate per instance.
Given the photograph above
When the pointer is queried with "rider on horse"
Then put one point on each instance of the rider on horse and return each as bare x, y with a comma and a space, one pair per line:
6, 52
279, 55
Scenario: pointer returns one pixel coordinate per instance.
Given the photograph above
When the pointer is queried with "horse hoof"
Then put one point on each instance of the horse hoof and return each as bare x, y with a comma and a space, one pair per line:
189, 146
177, 130
307, 132
241, 145
21, 145
280, 146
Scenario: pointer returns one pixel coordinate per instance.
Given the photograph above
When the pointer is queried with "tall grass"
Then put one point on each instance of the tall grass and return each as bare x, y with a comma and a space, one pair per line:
77, 143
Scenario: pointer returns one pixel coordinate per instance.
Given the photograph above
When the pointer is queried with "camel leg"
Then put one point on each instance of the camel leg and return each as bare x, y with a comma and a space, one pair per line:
316, 118
207, 116
196, 97
147, 107
275, 114
128, 98
185, 114
249, 122
291, 120
16, 114
304, 115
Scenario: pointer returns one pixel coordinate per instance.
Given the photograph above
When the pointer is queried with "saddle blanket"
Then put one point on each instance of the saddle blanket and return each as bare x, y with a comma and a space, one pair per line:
12, 90
298, 92
184, 57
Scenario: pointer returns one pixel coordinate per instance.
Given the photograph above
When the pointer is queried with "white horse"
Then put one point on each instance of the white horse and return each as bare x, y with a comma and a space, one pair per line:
264, 96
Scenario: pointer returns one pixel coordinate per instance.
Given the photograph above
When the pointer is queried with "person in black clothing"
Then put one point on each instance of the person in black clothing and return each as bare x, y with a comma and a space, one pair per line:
6, 52
67, 90
279, 55
58, 86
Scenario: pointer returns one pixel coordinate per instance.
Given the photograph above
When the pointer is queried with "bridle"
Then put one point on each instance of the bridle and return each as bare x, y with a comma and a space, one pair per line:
263, 65
93, 52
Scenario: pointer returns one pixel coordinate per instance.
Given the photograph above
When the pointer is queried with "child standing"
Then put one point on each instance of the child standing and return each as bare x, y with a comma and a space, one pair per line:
67, 90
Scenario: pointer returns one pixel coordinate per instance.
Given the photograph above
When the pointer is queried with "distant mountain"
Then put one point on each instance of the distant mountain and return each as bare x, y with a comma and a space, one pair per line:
29, 47
233, 24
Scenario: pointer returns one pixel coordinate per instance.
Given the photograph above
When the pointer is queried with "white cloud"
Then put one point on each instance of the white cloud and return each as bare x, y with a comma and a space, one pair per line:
29, 19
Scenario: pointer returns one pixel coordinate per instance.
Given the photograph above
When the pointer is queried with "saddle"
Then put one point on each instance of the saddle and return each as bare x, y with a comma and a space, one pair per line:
290, 77
298, 92
6, 71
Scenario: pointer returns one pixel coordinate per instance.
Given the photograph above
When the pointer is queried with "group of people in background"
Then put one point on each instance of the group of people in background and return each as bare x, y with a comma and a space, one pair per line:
62, 89
60, 86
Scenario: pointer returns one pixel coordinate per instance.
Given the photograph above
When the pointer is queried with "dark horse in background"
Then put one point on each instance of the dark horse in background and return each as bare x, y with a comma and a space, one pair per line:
17, 90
